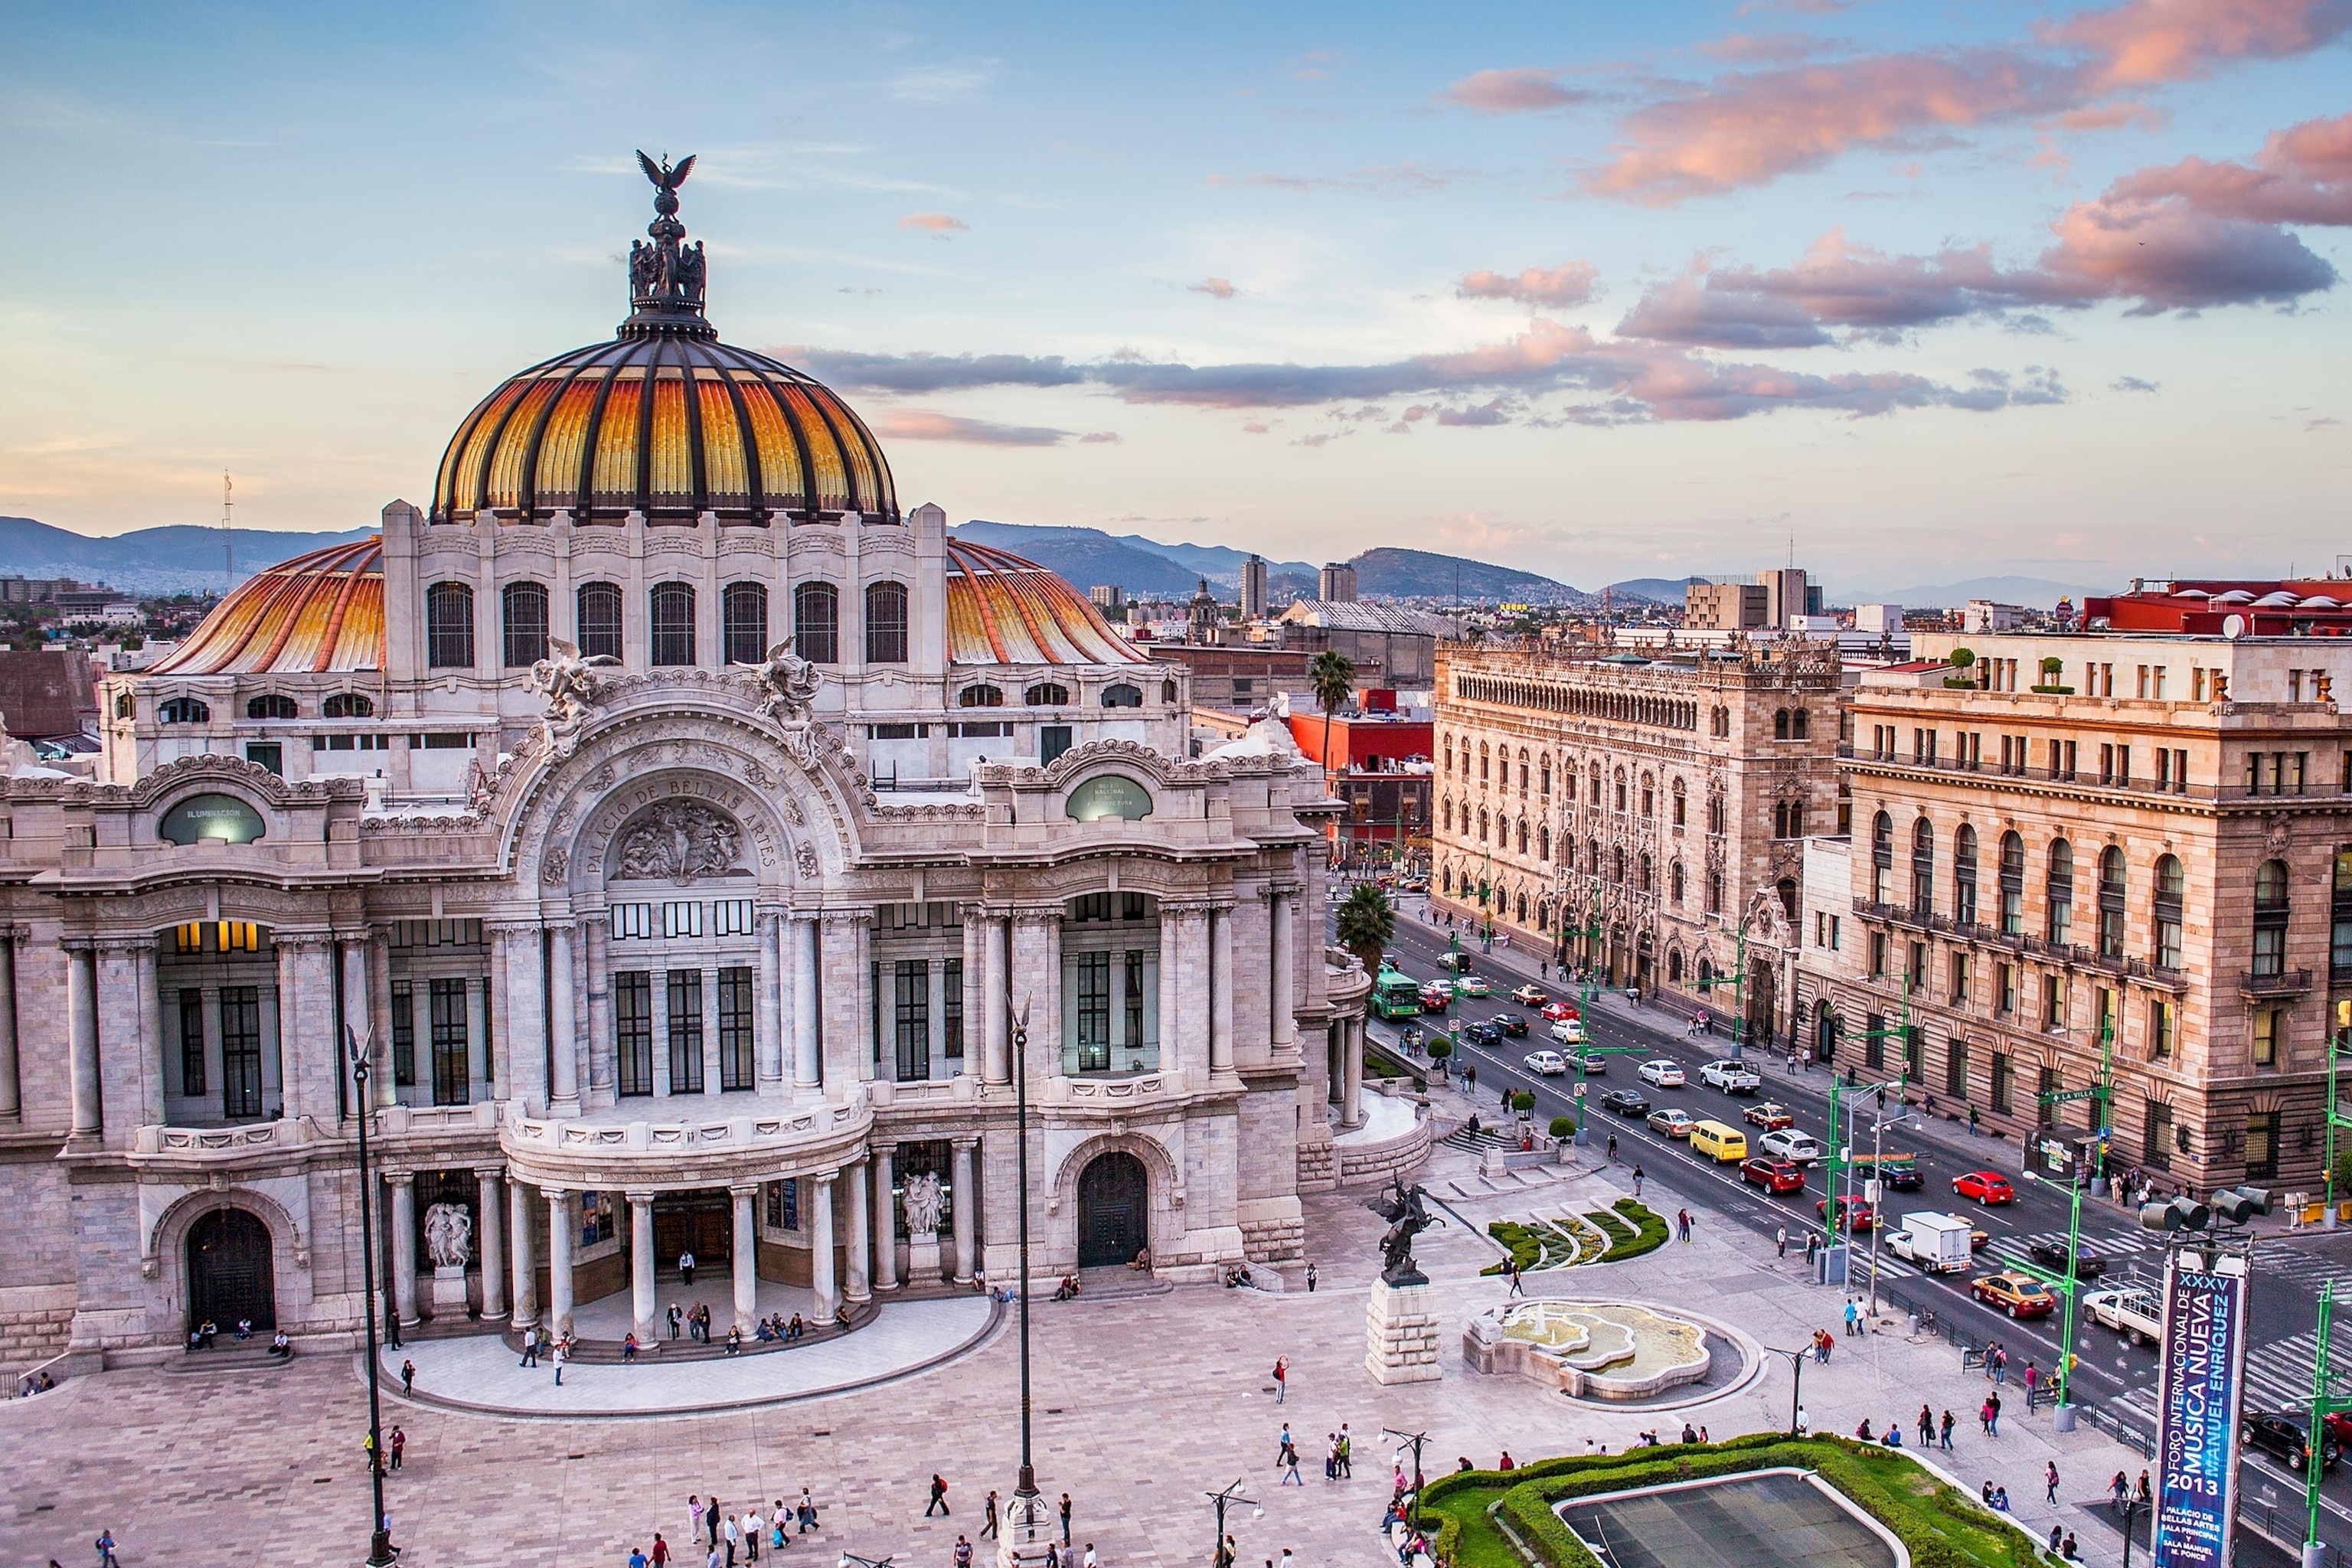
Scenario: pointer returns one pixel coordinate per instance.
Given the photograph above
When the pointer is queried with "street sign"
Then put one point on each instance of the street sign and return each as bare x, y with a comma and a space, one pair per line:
2066, 1096
1580, 1092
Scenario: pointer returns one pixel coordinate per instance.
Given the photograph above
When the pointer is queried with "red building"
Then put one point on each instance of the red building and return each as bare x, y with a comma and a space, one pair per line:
2318, 606
1378, 764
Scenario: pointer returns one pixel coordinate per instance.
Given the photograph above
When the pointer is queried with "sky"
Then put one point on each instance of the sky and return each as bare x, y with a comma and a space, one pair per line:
1917, 292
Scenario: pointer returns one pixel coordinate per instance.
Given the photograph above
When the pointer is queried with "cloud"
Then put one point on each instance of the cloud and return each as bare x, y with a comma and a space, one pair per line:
2132, 384
930, 373
1255, 428
1101, 438
1523, 90
1691, 311
1570, 283
2146, 41
1217, 288
2303, 174
1765, 47
942, 84
937, 223
2122, 115
924, 425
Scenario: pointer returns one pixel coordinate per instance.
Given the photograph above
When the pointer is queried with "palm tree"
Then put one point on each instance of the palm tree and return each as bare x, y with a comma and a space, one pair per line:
1367, 925
1333, 677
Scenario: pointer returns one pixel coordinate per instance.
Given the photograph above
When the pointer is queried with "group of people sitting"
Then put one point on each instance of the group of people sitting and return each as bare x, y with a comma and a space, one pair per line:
773, 1327
1068, 1290
202, 1336
1238, 1275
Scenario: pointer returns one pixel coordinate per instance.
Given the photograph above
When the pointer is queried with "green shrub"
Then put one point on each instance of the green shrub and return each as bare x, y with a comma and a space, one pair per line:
1960, 657
1440, 1048
1649, 1230
1523, 1101
1565, 1127
1526, 1246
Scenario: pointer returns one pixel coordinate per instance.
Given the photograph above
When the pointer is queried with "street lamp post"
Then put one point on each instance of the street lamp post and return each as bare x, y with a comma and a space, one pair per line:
1415, 1441
381, 1552
1797, 1360
1026, 1503
1218, 1556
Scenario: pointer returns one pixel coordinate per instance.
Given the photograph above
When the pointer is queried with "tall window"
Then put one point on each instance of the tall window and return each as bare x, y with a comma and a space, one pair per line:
2013, 885
2170, 885
1681, 804
632, 1030
1964, 875
240, 1027
404, 1036
951, 1010
1132, 994
2060, 918
1882, 860
886, 623
1956, 1067
2002, 1076
1093, 1016
2111, 903
452, 1078
1923, 867
2156, 1139
816, 623
743, 610
522, 611
673, 623
735, 1047
1873, 1040
910, 1016
2261, 1143
449, 626
191, 1042
2339, 913
2270, 918
599, 619
686, 1031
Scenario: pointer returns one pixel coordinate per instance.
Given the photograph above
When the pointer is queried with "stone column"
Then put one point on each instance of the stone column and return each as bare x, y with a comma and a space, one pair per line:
1283, 910
1172, 995
643, 1307
808, 1056
559, 1263
603, 1057
1351, 1064
521, 1033
767, 1023
975, 994
746, 1259
1221, 990
403, 1245
886, 1219
359, 1019
12, 1103
1192, 976
860, 1253
994, 1001
962, 1197
563, 1025
381, 1085
492, 1240
144, 1007
827, 1304
308, 1051
520, 1261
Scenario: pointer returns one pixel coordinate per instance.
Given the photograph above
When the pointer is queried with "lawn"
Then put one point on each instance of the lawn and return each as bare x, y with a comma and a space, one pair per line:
1941, 1526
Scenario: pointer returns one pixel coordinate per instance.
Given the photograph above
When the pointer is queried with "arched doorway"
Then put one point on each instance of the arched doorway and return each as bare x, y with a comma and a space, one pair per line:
1114, 1210
229, 1275
1825, 1032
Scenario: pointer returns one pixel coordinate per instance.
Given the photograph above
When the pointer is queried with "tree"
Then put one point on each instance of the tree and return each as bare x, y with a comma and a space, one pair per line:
1333, 677
1367, 925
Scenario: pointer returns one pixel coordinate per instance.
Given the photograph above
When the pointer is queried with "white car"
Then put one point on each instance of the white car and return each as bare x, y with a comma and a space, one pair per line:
1569, 1031
1551, 1064
1788, 1144
1662, 1074
2134, 1314
1732, 1078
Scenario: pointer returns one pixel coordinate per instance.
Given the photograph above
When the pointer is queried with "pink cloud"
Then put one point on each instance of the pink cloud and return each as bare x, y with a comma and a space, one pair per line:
1523, 90
2303, 174
2112, 117
1570, 283
1216, 287
937, 223
924, 425
2169, 255
2146, 41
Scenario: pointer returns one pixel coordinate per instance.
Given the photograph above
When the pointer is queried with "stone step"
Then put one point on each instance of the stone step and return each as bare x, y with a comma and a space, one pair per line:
228, 1358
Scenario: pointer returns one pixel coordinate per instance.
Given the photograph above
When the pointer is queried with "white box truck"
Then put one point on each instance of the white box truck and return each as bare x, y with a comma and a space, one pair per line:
1938, 1243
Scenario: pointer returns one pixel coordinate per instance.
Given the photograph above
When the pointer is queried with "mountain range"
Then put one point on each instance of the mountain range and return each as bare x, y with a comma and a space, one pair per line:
151, 560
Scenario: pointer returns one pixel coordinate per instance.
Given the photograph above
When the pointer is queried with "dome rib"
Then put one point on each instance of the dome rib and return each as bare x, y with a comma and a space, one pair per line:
315, 613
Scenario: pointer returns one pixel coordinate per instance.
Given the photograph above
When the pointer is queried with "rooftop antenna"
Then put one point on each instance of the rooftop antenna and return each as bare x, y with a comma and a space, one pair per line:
228, 536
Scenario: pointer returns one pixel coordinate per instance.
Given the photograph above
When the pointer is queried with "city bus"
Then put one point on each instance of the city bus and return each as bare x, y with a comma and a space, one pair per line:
1396, 995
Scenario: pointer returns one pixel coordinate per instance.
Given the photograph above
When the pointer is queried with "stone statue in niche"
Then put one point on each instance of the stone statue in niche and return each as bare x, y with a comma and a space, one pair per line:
923, 1205
556, 866
448, 1235
680, 840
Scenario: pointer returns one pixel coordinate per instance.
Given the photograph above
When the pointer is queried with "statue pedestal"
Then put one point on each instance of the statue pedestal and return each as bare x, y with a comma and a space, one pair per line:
1401, 1333
923, 1258
1026, 1538
449, 1291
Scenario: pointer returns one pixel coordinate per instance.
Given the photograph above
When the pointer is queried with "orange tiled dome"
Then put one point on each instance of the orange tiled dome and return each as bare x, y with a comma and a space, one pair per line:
317, 613
1002, 609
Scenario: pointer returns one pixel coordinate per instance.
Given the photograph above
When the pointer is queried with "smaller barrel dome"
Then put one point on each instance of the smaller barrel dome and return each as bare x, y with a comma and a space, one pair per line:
1002, 609
318, 613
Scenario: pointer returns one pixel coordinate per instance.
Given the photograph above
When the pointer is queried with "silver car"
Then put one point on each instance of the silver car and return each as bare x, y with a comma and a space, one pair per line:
1788, 1144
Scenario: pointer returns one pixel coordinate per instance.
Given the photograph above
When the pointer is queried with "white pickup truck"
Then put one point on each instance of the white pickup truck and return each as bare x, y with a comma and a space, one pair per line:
1732, 1078
1937, 1242
2134, 1314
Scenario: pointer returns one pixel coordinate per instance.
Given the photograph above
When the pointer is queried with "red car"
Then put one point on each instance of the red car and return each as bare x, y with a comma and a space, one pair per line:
2338, 1426
1858, 1216
1985, 1186
1774, 1175
1556, 1011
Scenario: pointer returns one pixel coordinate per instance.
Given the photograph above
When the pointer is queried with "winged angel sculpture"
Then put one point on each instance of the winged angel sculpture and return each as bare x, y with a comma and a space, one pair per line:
567, 681
787, 684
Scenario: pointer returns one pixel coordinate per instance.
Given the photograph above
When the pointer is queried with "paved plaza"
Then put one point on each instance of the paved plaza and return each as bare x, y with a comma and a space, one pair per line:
1143, 1405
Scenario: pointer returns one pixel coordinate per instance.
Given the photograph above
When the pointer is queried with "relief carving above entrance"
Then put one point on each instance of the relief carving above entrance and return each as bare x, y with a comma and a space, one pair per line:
680, 840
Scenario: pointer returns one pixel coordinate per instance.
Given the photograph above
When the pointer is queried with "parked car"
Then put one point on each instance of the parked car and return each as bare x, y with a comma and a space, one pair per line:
1788, 1144
1625, 1102
2134, 1314
2286, 1438
2019, 1295
1773, 1175
1672, 1123
1985, 1186
2052, 1255
1556, 1011
1531, 996
1662, 1074
1511, 1025
1769, 1116
1479, 1033
1551, 1064
1732, 1078
1569, 1031
2338, 1425
1855, 1215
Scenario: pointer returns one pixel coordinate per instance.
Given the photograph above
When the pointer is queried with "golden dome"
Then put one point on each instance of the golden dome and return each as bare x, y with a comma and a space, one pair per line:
316, 614
1002, 609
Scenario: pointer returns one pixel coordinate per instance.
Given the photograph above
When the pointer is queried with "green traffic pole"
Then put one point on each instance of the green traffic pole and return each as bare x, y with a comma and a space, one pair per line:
2334, 1044
2066, 1334
2313, 1460
1835, 1186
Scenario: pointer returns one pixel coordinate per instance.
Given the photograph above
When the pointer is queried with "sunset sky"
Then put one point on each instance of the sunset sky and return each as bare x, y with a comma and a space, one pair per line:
1939, 291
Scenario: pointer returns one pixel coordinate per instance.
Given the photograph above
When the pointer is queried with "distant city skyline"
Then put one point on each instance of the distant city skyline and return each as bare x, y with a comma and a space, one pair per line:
2044, 291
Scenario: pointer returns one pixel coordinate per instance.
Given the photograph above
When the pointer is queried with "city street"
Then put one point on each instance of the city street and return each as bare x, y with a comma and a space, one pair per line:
2115, 1375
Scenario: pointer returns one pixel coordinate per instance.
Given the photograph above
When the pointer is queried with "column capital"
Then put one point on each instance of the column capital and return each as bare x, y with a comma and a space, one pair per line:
17, 934
637, 1199
399, 1178
743, 1189
490, 1172
822, 1179
881, 1148
845, 916
145, 942
294, 940
348, 935
1030, 916
966, 1143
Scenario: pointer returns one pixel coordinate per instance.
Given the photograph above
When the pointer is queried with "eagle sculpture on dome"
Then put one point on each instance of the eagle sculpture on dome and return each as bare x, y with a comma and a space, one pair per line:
666, 179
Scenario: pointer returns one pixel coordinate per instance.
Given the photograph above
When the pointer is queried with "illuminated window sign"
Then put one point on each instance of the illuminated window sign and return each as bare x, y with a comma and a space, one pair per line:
215, 819
1110, 796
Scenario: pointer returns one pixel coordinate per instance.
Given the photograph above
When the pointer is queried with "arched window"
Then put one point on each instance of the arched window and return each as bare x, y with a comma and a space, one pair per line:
1923, 867
1780, 724
2013, 885
1522, 908
816, 623
1523, 770
981, 696
1681, 804
348, 705
673, 623
1715, 892
1523, 836
1964, 875
271, 705
1714, 815
1483, 760
1674, 881
2270, 918
522, 621
743, 621
1596, 784
1882, 860
1449, 756
449, 626
1800, 724
1543, 774
886, 623
1787, 887
1047, 694
1447, 807
1642, 869
2171, 884
1649, 796
1122, 696
125, 705
2059, 926
1617, 865
1168, 692
1674, 967
599, 607
1543, 844
1620, 789
2111, 903
183, 710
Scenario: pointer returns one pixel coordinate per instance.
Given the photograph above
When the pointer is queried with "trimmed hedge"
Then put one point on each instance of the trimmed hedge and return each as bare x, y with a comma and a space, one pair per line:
1526, 1250
1940, 1526
1649, 1230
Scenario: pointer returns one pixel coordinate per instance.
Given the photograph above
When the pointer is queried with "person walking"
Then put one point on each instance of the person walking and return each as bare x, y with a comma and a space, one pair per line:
1281, 1380
1289, 1461
1065, 1519
560, 1357
674, 1317
1852, 1318
408, 1379
2050, 1481
1517, 1275
1926, 1425
2033, 1377
988, 1517
1992, 1428
529, 1346
962, 1552
1347, 1453
938, 1496
1780, 1240
660, 1558
1310, 1290
1947, 1432
105, 1544
1637, 1181
1612, 1148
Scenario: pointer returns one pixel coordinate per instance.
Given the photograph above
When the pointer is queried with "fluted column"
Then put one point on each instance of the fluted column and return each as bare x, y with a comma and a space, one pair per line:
563, 1035
1351, 1064
973, 1000
995, 1004
1284, 913
521, 1262
643, 1310
492, 1241
603, 1055
382, 1085
307, 1049
1193, 1007
807, 1045
858, 1231
143, 1005
403, 1245
767, 1017
886, 1218
963, 1198
1171, 994
746, 1259
827, 1304
1221, 990
559, 1263
520, 1038
359, 1017
11, 1101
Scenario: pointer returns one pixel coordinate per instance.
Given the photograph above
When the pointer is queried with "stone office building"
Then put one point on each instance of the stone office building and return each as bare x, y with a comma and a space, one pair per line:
693, 839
